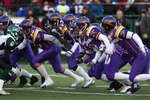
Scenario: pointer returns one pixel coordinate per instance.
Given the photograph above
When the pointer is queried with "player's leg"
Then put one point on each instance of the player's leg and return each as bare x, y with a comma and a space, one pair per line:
72, 64
112, 68
43, 56
143, 66
139, 71
29, 55
5, 68
55, 60
14, 57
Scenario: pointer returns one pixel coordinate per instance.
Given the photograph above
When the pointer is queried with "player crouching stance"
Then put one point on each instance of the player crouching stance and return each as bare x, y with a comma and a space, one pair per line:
8, 44
133, 52
51, 52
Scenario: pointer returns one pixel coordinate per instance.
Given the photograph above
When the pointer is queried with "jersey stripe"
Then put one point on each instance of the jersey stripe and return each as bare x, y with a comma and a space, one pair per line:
89, 30
35, 33
64, 30
98, 35
118, 31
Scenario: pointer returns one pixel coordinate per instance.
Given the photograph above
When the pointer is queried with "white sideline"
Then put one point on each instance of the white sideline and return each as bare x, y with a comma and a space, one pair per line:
77, 93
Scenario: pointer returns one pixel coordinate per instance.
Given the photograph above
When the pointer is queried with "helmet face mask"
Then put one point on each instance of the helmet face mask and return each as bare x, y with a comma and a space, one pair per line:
55, 23
15, 32
68, 23
54, 20
26, 31
26, 26
68, 20
107, 28
108, 23
82, 23
82, 27
4, 22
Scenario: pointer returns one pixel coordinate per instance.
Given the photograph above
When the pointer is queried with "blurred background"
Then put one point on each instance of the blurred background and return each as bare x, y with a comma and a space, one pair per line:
133, 14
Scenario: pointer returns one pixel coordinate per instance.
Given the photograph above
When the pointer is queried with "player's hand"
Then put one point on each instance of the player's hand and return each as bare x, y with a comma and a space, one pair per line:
94, 62
109, 51
16, 71
102, 47
144, 51
90, 64
68, 53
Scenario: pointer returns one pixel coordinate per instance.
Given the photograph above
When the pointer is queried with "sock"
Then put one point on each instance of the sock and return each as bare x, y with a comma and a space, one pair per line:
123, 78
142, 77
26, 73
70, 74
1, 84
104, 78
82, 72
43, 72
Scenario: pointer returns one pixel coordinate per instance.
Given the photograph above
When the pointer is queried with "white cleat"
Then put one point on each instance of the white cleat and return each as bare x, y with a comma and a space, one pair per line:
88, 83
3, 92
48, 82
112, 90
77, 82
124, 89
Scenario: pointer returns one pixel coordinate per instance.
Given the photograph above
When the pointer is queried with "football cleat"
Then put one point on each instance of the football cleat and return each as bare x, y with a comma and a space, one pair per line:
33, 80
134, 88
42, 80
23, 81
48, 82
77, 82
3, 92
114, 86
88, 83
124, 89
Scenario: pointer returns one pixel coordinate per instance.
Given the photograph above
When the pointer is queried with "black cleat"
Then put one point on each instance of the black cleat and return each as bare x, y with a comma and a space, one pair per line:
134, 88
33, 80
42, 80
23, 81
114, 86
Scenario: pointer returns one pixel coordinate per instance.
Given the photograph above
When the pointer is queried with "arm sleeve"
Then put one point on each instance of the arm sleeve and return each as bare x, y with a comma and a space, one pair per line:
105, 40
74, 47
22, 45
136, 38
51, 38
97, 56
102, 57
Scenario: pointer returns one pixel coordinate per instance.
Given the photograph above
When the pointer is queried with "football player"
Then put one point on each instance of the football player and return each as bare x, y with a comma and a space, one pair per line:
22, 50
51, 52
8, 44
132, 51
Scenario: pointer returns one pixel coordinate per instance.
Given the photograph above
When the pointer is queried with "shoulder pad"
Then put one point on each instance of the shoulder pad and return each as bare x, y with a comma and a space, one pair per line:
10, 42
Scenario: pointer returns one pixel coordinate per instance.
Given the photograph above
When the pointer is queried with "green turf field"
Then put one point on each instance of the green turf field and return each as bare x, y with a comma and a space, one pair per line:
61, 91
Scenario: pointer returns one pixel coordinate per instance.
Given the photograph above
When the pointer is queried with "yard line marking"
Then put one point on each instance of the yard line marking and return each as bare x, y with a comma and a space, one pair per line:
102, 86
30, 88
77, 93
90, 93
145, 85
67, 88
